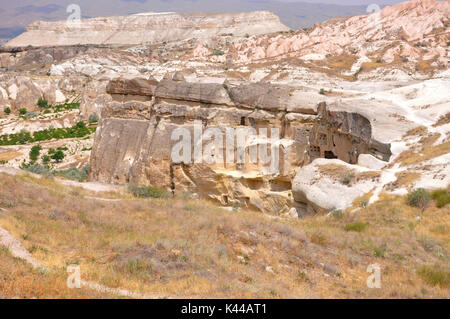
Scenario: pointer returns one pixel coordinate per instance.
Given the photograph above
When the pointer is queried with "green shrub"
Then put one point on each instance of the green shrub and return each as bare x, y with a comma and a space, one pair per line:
93, 118
30, 115
75, 174
148, 191
442, 197
46, 159
363, 203
77, 131
218, 52
7, 110
380, 251
356, 226
34, 153
337, 213
322, 91
42, 103
347, 179
58, 156
23, 111
418, 198
81, 125
434, 275
38, 169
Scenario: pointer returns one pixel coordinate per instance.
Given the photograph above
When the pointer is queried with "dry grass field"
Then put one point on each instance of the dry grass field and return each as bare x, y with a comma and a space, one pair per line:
181, 247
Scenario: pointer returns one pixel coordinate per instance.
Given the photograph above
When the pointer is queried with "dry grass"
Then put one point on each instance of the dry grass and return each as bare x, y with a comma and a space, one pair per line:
19, 280
424, 67
405, 179
345, 174
186, 248
444, 119
417, 131
341, 62
424, 149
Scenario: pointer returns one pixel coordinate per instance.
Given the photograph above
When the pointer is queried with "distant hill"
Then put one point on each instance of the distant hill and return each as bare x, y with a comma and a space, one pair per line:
16, 15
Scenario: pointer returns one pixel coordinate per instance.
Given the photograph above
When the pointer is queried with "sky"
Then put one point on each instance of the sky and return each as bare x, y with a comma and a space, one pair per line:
349, 2
15, 15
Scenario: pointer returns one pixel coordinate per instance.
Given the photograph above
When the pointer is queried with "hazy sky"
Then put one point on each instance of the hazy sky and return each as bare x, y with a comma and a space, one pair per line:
348, 2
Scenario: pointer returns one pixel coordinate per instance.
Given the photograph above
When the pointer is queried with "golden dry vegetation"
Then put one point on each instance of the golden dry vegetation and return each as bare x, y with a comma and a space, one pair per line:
345, 174
180, 247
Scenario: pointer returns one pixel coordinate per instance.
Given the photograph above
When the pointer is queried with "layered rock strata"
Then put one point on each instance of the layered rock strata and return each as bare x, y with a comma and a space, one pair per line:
134, 141
147, 28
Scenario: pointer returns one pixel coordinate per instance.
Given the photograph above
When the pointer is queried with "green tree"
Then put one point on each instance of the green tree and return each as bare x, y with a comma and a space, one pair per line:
23, 111
7, 110
34, 153
58, 156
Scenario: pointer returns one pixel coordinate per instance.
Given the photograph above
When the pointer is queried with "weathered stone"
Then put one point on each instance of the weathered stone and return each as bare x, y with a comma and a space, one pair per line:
210, 93
327, 193
148, 28
344, 135
136, 86
275, 98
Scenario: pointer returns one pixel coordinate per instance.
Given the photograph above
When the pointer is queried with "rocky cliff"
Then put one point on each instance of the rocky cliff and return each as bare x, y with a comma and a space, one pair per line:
133, 143
147, 28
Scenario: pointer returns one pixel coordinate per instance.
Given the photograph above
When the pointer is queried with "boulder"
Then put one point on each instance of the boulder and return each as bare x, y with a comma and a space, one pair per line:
319, 190
209, 93
275, 98
135, 86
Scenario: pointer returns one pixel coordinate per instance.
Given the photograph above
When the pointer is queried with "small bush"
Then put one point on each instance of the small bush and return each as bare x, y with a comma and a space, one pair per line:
337, 213
348, 178
34, 153
38, 169
363, 203
442, 197
42, 103
93, 118
380, 251
418, 198
319, 239
322, 91
81, 125
7, 110
23, 111
30, 115
434, 275
46, 159
148, 191
74, 174
356, 226
218, 52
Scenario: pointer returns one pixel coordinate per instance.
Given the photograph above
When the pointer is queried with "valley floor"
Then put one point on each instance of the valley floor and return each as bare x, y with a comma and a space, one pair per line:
185, 248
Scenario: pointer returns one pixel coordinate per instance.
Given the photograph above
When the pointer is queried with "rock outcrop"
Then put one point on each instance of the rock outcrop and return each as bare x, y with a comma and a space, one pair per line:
134, 142
330, 184
24, 92
412, 31
147, 28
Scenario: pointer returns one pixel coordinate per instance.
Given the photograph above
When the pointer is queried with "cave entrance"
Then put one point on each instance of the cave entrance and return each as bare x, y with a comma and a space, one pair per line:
330, 155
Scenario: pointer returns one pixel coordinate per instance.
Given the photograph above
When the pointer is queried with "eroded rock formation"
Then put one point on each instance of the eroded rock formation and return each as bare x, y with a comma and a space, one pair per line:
134, 141
147, 28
